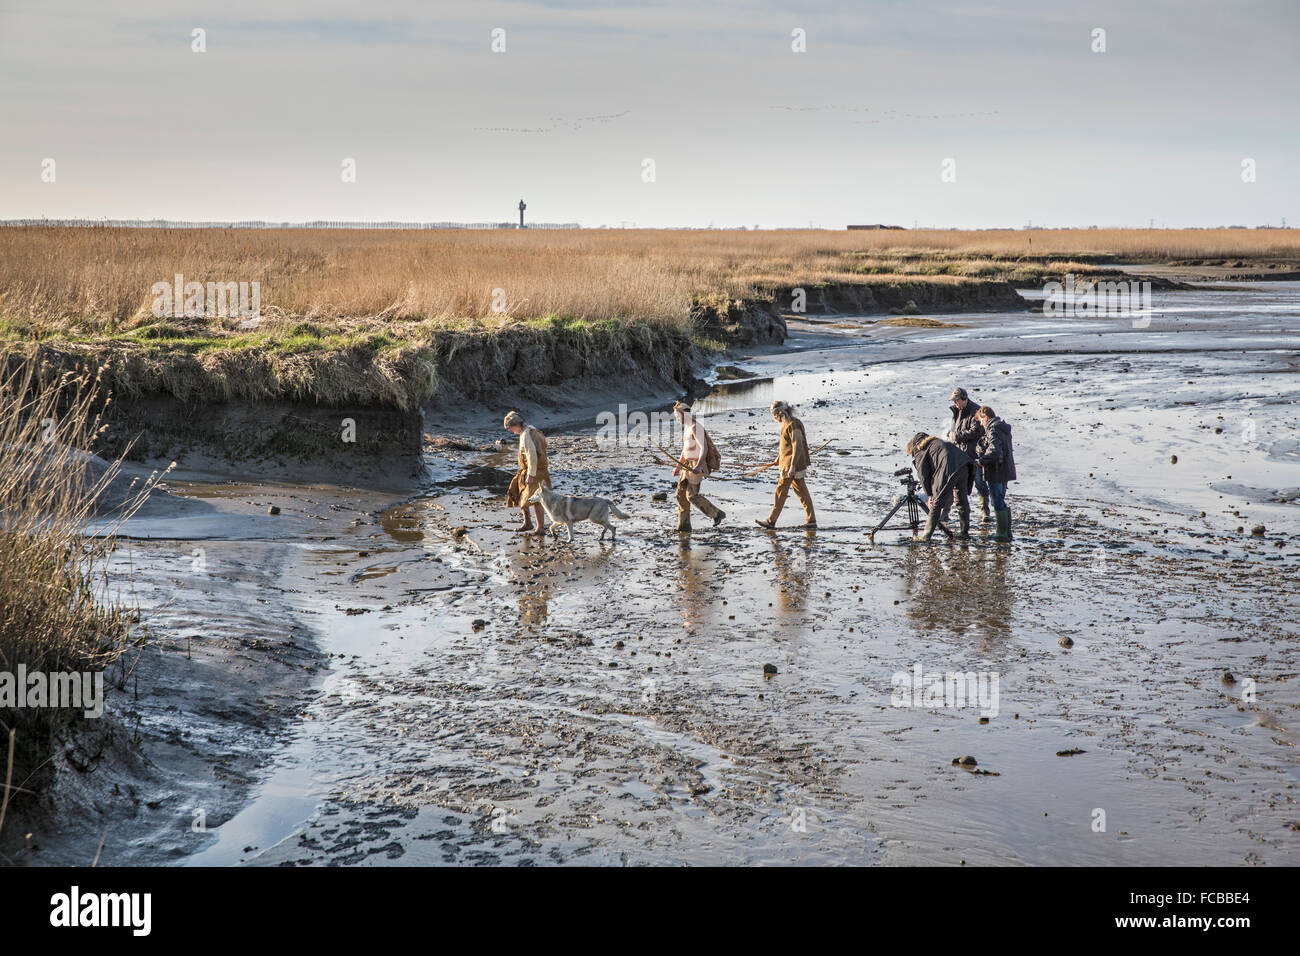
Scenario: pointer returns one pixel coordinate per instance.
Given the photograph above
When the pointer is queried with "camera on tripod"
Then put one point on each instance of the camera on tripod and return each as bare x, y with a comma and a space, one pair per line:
913, 502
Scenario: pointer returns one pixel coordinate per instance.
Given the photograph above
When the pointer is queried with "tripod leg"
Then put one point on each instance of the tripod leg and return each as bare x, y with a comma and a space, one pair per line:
886, 521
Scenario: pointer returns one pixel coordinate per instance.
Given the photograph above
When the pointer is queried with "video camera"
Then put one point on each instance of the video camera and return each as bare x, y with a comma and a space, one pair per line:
910, 500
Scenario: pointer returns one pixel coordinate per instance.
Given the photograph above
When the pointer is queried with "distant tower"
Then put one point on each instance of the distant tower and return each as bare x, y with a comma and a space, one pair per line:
522, 207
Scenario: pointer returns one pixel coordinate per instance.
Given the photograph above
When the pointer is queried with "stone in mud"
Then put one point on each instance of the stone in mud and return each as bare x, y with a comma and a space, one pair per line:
273, 510
1066, 642
984, 720
769, 669
1258, 530
1228, 678
478, 624
659, 496
459, 532
1173, 459
966, 761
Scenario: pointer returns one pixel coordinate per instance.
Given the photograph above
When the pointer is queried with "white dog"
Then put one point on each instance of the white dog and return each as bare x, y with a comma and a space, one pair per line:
565, 510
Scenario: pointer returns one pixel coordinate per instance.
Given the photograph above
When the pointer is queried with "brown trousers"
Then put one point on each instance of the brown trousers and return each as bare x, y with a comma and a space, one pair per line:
688, 493
800, 491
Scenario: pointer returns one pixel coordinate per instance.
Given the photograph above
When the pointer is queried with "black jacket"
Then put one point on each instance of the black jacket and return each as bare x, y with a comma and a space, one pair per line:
937, 461
995, 452
966, 432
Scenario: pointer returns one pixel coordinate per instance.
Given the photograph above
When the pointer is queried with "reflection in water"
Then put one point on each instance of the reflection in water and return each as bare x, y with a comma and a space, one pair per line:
734, 395
958, 589
995, 593
402, 523
532, 580
790, 564
693, 593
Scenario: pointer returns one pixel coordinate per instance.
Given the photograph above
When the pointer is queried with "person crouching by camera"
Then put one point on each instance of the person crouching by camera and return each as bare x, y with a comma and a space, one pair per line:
997, 458
945, 472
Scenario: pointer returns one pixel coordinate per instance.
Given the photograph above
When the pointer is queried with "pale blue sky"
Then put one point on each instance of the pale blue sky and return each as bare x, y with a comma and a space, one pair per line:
743, 131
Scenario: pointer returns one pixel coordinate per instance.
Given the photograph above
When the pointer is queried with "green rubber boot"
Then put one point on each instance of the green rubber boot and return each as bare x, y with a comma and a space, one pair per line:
1004, 525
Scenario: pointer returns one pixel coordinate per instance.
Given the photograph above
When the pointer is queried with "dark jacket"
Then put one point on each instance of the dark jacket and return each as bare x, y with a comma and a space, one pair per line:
995, 453
966, 432
937, 461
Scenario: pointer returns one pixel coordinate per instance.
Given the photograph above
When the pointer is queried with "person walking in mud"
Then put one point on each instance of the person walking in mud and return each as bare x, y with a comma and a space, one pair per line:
997, 458
791, 461
966, 433
945, 472
534, 471
698, 460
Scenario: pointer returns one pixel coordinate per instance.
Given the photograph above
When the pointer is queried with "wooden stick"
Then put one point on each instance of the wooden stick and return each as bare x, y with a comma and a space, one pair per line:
772, 464
678, 463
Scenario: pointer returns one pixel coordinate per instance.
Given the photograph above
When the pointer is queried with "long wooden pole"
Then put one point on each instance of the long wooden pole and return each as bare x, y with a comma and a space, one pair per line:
772, 464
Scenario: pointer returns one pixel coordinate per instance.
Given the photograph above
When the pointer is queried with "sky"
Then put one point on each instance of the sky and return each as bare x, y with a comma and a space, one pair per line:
740, 128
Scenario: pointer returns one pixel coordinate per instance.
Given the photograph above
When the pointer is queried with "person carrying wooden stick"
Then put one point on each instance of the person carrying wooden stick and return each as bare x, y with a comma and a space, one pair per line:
792, 460
698, 460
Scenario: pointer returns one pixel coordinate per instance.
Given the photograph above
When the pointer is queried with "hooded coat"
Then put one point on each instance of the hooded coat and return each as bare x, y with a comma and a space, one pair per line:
966, 431
938, 461
995, 453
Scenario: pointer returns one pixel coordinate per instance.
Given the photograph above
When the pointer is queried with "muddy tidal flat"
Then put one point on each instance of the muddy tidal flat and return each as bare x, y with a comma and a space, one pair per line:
393, 678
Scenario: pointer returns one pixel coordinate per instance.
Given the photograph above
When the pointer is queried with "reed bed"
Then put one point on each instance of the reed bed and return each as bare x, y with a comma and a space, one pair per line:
56, 611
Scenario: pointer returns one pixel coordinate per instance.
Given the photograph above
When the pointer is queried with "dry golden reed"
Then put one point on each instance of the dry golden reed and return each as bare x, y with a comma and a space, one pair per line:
93, 280
56, 611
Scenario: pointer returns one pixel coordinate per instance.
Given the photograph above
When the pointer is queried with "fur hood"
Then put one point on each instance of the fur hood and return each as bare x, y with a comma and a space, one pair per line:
924, 442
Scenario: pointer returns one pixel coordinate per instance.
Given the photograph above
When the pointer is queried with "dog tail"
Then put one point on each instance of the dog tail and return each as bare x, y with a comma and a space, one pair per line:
614, 510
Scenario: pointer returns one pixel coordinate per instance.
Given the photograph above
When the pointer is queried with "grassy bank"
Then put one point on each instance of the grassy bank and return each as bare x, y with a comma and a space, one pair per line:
360, 362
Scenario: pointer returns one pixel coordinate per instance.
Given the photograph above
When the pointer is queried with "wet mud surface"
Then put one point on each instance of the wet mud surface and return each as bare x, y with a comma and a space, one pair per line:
492, 698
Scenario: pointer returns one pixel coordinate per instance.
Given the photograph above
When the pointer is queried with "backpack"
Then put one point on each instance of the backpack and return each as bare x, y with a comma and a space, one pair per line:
712, 459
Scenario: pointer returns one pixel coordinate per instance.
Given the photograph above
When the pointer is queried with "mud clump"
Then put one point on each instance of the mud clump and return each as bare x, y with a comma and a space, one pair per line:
966, 761
733, 373
769, 670
273, 510
748, 321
